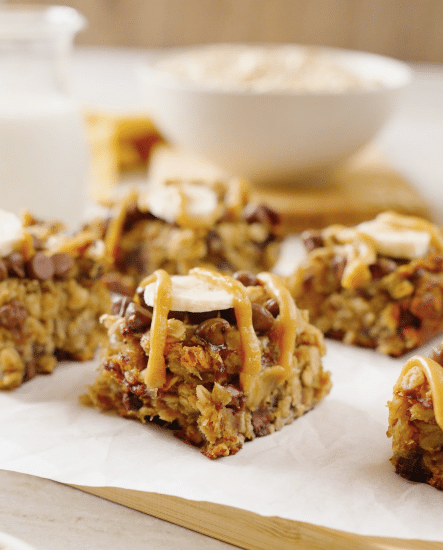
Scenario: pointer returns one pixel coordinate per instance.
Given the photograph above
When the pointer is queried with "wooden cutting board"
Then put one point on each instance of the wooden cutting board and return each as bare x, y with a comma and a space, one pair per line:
248, 530
360, 190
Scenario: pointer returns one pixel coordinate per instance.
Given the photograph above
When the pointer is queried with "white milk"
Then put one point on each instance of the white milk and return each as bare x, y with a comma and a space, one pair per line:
43, 157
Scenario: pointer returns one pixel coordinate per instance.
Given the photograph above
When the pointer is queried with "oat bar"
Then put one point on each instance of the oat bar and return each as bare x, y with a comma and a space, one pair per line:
51, 297
416, 420
377, 285
178, 225
218, 359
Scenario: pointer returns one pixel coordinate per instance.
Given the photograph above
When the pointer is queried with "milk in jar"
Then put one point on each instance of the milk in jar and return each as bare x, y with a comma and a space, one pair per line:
44, 156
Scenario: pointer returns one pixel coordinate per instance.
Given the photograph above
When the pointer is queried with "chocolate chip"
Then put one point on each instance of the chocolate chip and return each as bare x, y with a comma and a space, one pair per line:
213, 331
3, 270
229, 315
31, 370
382, 267
238, 398
214, 243
262, 319
261, 420
224, 265
272, 306
180, 315
140, 291
131, 402
62, 263
137, 317
312, 239
260, 214
37, 243
338, 265
16, 265
200, 316
40, 267
134, 215
137, 259
86, 267
119, 304
114, 282
13, 315
246, 278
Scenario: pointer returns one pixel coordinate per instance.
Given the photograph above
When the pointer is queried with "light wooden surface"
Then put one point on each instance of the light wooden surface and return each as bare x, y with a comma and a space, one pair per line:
51, 516
406, 29
248, 530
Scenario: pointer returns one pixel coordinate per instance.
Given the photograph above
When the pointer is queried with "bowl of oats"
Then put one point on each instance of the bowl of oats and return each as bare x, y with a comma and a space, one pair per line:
272, 113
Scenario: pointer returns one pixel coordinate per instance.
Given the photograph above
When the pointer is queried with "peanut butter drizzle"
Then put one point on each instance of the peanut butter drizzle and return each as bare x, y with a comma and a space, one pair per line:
243, 314
155, 373
236, 196
434, 374
115, 229
286, 320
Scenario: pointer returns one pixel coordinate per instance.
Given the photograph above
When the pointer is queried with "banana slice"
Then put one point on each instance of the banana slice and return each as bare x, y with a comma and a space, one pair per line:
10, 232
193, 295
172, 200
394, 242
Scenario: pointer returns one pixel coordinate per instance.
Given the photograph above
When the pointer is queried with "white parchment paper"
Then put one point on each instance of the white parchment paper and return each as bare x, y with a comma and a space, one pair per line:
330, 467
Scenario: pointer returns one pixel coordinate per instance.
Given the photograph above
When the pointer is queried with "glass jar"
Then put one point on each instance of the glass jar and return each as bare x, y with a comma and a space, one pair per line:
44, 156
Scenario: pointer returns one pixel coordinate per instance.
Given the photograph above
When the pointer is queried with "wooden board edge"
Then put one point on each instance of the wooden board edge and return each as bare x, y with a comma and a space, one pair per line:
246, 529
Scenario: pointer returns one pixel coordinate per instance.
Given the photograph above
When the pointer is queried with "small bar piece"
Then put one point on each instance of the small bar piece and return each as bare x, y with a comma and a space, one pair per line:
416, 420
218, 359
51, 297
377, 285
178, 225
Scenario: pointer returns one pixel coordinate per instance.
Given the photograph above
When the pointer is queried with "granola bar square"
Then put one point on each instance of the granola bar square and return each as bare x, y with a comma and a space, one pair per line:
416, 420
218, 359
377, 285
51, 297
178, 225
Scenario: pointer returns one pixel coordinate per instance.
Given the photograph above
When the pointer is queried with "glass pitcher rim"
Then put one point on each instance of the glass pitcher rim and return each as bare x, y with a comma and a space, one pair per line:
32, 21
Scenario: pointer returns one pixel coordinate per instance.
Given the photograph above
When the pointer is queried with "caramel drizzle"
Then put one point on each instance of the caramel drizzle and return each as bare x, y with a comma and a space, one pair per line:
116, 224
251, 354
155, 373
286, 321
434, 374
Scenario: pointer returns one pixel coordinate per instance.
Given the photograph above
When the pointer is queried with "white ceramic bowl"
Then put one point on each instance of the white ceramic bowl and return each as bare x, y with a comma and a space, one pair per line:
275, 137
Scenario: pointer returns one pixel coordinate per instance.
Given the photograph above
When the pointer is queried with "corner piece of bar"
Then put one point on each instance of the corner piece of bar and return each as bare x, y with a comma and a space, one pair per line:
51, 296
377, 285
416, 420
219, 359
